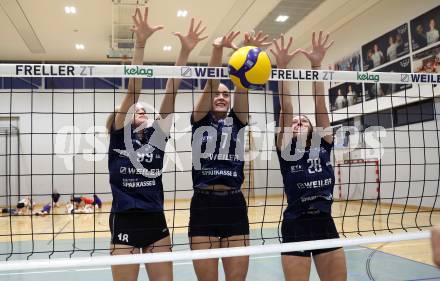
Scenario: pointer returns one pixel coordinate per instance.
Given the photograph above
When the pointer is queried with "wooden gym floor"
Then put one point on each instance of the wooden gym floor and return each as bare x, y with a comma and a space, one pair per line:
61, 226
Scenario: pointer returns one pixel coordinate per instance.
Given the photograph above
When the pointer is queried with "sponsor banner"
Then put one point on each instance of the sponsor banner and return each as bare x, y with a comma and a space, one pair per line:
191, 72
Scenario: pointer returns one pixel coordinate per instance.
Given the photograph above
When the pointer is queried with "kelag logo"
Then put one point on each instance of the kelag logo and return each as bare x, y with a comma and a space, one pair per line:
138, 71
365, 76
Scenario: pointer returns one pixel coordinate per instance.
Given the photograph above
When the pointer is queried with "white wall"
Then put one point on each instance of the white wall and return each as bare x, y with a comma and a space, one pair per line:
408, 171
415, 170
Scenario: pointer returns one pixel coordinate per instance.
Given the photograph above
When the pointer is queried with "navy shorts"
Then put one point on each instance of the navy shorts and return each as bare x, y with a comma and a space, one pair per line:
20, 205
219, 214
307, 228
137, 228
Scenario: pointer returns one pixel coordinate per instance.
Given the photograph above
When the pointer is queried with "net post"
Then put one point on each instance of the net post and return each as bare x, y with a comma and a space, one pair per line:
339, 181
376, 162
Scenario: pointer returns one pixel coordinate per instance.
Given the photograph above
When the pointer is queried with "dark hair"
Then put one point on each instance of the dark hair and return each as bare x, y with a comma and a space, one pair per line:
110, 122
76, 199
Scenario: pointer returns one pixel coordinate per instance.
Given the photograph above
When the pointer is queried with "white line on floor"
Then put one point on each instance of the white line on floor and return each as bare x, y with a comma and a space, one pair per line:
33, 272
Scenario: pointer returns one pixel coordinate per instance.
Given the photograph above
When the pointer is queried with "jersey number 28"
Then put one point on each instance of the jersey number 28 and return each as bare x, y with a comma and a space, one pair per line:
315, 165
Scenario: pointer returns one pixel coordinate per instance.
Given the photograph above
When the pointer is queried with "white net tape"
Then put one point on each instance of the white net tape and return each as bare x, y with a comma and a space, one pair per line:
192, 72
205, 254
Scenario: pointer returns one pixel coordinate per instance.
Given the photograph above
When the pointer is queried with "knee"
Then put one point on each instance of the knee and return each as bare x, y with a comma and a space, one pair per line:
163, 277
237, 274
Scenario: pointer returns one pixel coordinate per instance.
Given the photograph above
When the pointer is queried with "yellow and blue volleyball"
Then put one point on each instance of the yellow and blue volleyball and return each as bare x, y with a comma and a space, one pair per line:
249, 68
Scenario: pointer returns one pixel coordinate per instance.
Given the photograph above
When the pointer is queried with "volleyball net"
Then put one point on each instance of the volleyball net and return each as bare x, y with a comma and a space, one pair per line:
53, 140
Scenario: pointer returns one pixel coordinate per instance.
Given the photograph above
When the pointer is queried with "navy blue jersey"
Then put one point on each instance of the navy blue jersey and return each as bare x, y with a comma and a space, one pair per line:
309, 181
97, 201
46, 208
139, 186
218, 151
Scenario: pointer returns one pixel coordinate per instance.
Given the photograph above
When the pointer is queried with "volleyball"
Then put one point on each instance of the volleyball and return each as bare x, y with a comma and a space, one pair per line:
249, 68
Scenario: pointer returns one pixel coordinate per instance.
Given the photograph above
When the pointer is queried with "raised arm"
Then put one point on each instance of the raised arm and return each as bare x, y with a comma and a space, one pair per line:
315, 56
203, 105
188, 43
142, 31
283, 58
241, 99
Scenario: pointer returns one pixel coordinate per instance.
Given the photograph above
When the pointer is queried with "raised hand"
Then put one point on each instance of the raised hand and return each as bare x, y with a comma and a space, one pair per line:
256, 40
226, 41
319, 48
281, 52
193, 37
141, 28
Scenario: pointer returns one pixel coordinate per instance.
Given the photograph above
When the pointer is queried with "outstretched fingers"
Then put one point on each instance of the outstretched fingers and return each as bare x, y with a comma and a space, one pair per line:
277, 46
304, 52
135, 17
198, 33
145, 13
198, 26
329, 45
290, 43
158, 27
232, 35
178, 34
294, 53
320, 38
327, 35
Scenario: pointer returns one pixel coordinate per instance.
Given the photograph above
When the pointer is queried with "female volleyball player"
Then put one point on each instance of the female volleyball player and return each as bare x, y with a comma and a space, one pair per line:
137, 220
56, 199
24, 205
218, 212
308, 178
45, 210
97, 202
81, 205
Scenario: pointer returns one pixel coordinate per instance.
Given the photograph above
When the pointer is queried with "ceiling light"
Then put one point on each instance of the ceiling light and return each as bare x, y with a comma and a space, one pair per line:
79, 46
182, 13
281, 18
166, 48
70, 10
